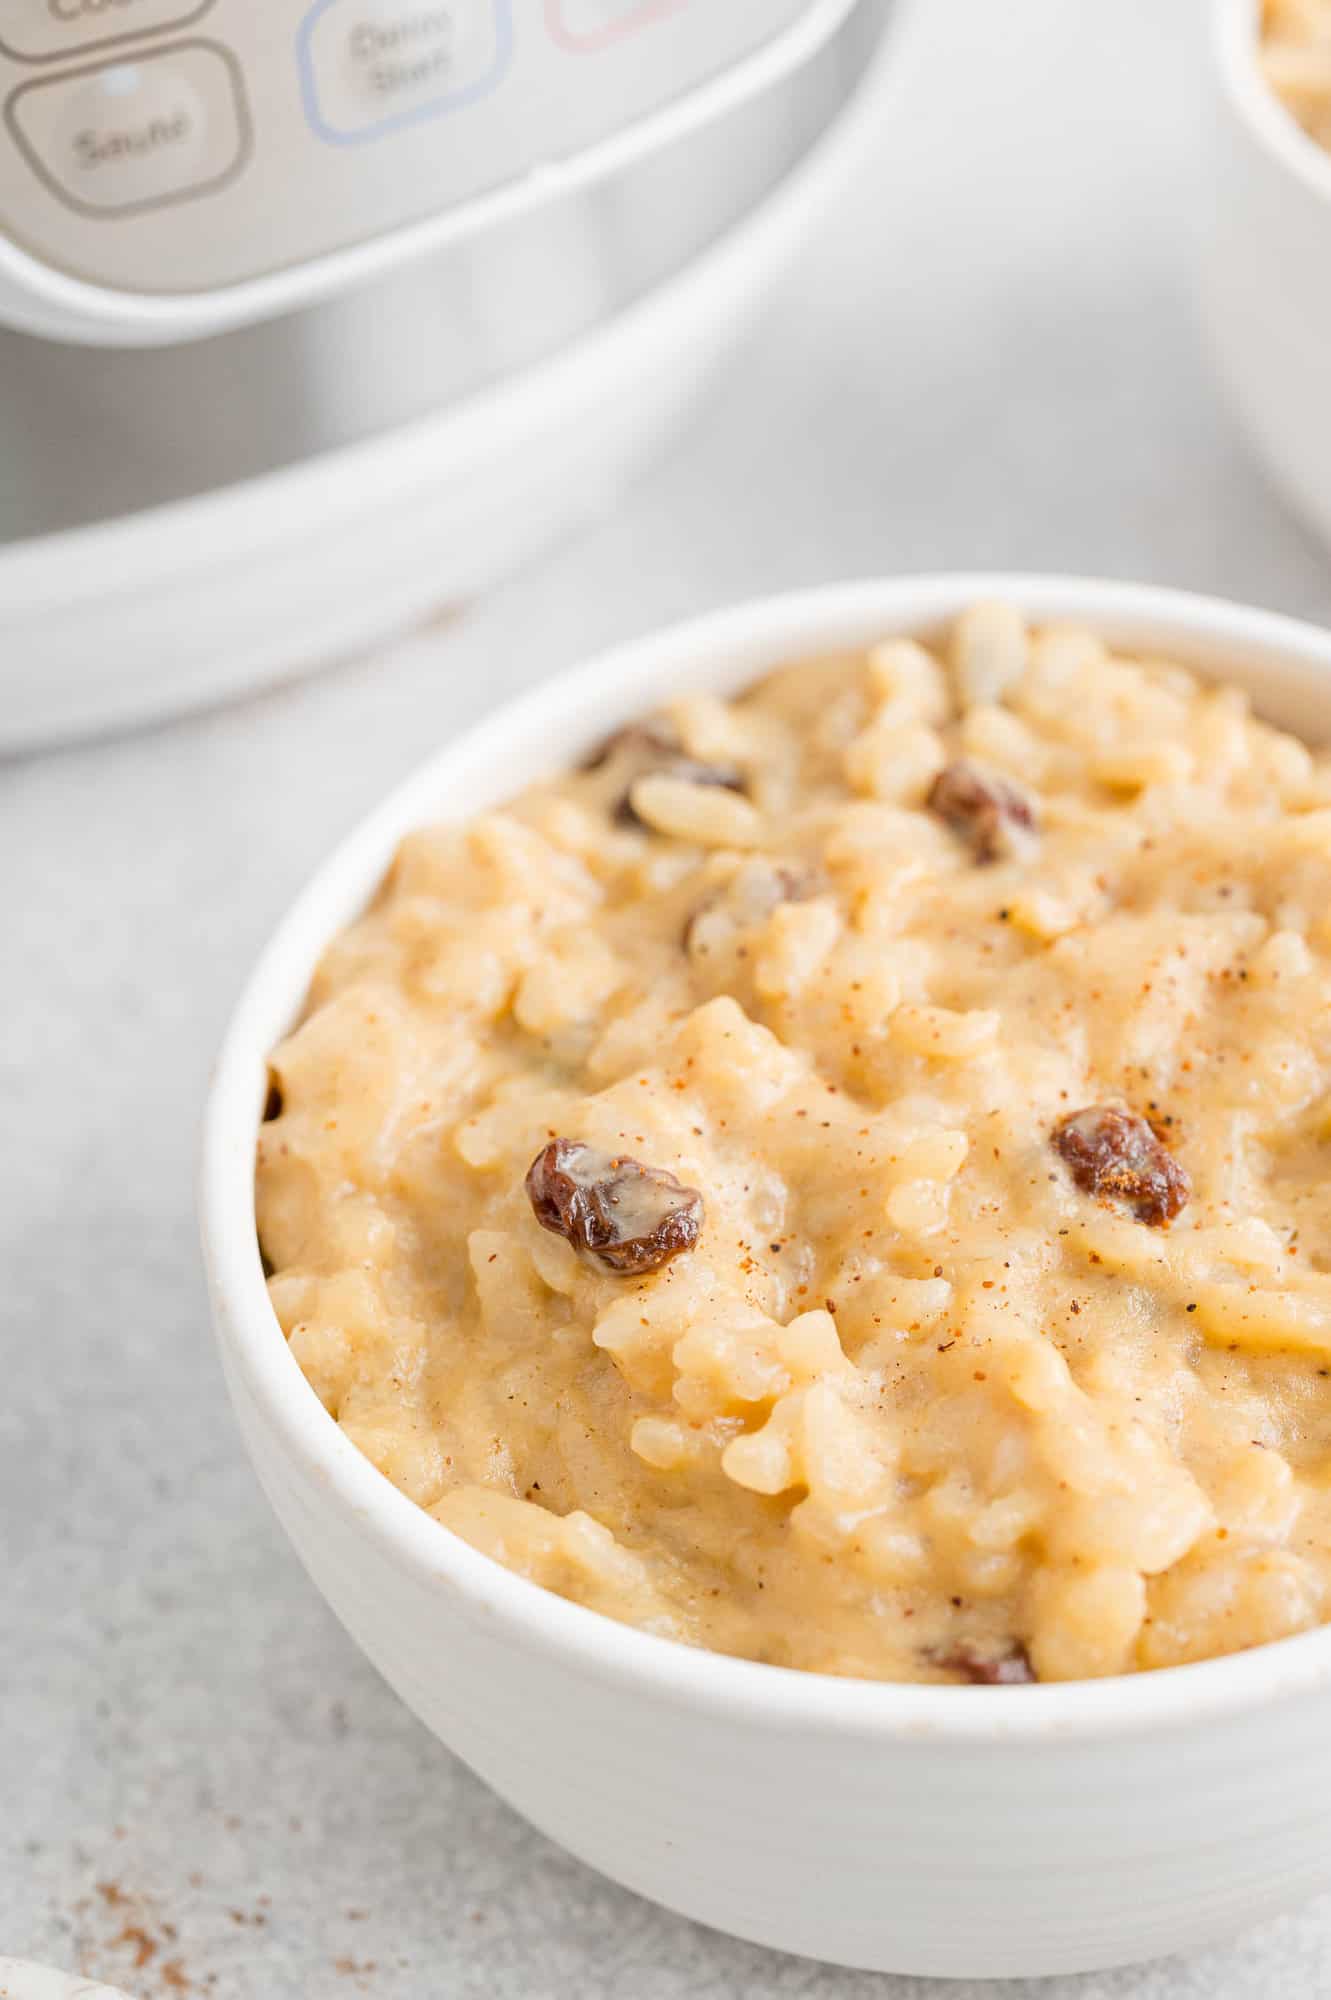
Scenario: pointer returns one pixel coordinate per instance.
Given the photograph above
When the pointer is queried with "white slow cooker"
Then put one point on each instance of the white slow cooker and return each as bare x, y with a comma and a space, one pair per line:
317, 314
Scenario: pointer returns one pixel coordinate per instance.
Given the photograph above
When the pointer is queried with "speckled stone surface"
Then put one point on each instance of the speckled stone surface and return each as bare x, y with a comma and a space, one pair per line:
991, 358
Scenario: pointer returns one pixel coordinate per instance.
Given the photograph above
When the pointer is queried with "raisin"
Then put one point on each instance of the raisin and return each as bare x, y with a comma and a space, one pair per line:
272, 1104
747, 900
652, 750
1116, 1155
632, 1218
990, 812
983, 1666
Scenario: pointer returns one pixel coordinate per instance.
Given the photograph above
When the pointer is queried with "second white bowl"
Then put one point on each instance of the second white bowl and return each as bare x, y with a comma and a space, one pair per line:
1267, 272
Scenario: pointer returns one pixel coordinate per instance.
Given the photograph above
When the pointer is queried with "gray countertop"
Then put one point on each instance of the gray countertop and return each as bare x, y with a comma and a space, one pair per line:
992, 357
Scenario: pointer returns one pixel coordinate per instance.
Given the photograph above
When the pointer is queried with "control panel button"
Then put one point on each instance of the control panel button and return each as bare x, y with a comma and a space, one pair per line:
584, 25
369, 67
136, 133
38, 30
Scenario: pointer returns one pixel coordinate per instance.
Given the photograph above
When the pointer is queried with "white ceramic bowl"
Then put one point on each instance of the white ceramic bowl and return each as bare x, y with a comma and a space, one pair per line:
1267, 268
947, 1830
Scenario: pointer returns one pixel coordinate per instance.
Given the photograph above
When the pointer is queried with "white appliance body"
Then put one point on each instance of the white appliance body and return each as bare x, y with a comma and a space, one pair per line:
317, 316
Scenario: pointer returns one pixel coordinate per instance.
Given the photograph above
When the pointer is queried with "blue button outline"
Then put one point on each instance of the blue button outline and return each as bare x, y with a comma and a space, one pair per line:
401, 120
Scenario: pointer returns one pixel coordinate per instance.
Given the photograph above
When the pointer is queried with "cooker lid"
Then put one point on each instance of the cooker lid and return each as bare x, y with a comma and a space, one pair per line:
172, 167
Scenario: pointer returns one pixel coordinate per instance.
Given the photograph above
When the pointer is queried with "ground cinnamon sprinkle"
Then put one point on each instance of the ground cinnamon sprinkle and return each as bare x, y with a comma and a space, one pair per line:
145, 1947
357, 1969
141, 1936
120, 1935
143, 1942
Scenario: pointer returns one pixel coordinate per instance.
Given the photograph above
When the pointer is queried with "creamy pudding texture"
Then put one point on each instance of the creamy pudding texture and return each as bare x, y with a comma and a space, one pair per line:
1296, 60
842, 1178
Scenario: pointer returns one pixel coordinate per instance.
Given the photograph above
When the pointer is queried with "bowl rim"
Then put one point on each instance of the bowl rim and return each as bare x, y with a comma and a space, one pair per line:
1235, 36
553, 720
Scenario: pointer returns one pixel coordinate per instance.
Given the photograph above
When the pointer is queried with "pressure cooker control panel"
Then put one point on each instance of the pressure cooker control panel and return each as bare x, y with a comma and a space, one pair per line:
177, 146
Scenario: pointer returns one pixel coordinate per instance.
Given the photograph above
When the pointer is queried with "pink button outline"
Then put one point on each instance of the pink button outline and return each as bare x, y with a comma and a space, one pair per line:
642, 16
